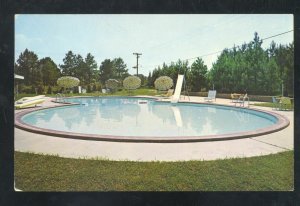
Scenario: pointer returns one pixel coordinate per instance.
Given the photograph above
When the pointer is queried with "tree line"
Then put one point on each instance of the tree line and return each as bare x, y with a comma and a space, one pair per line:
246, 68
43, 73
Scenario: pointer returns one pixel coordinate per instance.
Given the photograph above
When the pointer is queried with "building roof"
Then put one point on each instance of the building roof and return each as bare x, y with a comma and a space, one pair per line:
18, 76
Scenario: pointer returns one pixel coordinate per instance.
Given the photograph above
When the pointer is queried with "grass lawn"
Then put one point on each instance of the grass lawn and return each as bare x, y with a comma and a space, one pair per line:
269, 104
34, 172
141, 91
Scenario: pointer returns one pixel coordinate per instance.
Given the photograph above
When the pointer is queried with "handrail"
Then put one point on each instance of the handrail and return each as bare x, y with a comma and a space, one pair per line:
60, 97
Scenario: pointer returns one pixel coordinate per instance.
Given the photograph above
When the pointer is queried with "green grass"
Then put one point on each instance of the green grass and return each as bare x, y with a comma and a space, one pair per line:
141, 91
269, 104
34, 172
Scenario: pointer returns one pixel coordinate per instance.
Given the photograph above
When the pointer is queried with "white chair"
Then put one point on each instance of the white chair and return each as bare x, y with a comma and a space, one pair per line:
211, 95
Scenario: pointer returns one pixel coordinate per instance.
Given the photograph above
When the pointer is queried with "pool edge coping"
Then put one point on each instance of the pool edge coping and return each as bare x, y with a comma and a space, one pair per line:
282, 123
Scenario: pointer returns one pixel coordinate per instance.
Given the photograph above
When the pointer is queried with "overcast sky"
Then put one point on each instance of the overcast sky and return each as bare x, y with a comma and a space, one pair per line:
160, 38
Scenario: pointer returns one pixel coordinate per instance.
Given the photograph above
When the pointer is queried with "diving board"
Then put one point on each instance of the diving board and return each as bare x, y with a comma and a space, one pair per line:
176, 96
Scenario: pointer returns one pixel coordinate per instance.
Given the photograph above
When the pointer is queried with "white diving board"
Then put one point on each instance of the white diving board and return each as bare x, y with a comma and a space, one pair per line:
176, 96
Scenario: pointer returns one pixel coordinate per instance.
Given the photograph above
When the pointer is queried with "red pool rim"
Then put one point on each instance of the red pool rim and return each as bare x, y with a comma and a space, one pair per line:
282, 123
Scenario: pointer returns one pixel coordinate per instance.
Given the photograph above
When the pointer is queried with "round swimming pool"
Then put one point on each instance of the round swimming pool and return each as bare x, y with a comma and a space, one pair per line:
145, 119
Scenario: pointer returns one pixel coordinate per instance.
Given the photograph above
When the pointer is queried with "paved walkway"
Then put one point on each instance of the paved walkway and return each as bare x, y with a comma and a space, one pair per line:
71, 148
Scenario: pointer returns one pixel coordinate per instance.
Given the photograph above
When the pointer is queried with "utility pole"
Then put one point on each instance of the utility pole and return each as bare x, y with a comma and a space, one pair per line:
137, 63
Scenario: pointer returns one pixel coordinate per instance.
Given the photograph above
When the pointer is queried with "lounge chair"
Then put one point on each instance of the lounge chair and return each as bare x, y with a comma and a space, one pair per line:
211, 95
29, 101
242, 100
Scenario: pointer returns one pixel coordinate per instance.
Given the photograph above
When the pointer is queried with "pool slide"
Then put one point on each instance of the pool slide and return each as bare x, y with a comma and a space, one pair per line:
29, 101
176, 96
177, 116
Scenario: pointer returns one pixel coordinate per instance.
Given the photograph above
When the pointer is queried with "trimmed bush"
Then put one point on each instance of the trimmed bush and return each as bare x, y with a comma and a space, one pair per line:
112, 84
68, 82
132, 82
163, 83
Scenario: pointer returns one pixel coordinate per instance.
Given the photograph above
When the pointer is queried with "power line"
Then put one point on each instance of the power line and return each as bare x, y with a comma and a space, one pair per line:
228, 49
277, 35
207, 27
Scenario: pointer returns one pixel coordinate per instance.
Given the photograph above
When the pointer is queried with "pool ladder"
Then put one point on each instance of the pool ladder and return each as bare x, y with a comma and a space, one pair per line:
60, 97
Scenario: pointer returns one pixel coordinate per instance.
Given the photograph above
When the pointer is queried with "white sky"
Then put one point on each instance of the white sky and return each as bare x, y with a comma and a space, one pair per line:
160, 38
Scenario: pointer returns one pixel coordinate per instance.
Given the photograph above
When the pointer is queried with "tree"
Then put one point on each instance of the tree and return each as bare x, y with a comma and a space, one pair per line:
49, 71
284, 57
149, 80
197, 75
27, 66
119, 68
106, 70
252, 69
80, 69
68, 68
91, 67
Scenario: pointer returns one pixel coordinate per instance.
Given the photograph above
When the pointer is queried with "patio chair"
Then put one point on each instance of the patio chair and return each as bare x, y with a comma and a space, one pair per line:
242, 100
235, 97
276, 103
211, 95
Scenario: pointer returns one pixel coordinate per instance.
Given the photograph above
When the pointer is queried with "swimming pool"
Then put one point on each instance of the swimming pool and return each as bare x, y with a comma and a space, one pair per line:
145, 119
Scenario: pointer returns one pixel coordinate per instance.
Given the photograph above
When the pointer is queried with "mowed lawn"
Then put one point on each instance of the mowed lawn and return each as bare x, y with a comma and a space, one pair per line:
35, 172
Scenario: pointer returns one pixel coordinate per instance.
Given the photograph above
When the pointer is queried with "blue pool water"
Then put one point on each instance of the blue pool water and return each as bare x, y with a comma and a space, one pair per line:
123, 116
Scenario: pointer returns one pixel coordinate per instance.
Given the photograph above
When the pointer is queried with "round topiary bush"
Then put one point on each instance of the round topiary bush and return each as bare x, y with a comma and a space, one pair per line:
68, 82
163, 83
132, 82
112, 84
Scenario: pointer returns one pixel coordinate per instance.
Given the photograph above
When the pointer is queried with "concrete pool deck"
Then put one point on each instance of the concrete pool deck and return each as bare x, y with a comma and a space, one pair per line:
280, 141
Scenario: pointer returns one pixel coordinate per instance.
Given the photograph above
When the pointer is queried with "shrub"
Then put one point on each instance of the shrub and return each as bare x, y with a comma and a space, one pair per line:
26, 89
88, 89
33, 91
132, 82
94, 88
49, 91
163, 83
75, 90
99, 88
112, 84
68, 82
40, 89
